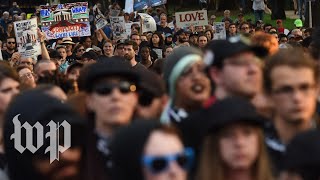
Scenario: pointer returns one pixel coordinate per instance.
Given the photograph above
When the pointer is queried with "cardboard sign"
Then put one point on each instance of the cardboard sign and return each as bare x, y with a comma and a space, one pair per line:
27, 38
147, 22
195, 18
65, 20
100, 23
118, 27
220, 30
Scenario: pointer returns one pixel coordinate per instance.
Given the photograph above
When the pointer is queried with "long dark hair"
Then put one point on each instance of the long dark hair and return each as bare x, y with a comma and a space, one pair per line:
161, 41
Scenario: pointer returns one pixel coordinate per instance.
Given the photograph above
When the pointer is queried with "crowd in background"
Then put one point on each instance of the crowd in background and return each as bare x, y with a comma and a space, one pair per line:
176, 103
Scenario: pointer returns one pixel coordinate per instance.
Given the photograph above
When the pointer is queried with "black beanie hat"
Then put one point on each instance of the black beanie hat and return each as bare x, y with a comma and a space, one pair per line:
127, 149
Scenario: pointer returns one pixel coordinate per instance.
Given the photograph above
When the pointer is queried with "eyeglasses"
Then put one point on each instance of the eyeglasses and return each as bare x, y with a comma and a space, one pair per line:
27, 63
79, 50
106, 88
27, 75
11, 42
158, 164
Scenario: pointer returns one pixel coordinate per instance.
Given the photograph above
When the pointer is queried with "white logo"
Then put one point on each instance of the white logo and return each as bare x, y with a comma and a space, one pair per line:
54, 148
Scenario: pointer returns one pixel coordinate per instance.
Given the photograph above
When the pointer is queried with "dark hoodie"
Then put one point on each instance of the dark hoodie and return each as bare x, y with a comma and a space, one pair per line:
34, 107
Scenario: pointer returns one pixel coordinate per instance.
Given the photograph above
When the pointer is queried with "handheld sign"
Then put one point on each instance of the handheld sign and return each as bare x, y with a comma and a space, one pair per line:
195, 18
27, 38
147, 23
65, 20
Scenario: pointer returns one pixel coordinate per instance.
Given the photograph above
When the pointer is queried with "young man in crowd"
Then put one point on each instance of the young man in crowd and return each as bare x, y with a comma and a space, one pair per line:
11, 48
131, 48
233, 68
291, 83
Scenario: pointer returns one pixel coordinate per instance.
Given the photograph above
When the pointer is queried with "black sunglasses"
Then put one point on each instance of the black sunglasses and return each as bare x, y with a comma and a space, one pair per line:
106, 88
145, 98
11, 42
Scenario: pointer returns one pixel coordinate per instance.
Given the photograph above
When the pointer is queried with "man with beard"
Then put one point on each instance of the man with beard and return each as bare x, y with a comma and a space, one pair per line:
182, 38
11, 48
130, 50
292, 88
37, 165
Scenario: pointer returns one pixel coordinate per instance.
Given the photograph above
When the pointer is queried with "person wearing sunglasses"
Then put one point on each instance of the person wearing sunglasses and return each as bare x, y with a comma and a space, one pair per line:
78, 51
233, 147
148, 150
111, 88
11, 48
152, 96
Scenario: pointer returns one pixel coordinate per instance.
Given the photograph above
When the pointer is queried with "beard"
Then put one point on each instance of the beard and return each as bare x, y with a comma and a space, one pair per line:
182, 40
128, 57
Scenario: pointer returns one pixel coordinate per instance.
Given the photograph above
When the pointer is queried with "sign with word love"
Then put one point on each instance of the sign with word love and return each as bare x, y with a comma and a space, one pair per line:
195, 18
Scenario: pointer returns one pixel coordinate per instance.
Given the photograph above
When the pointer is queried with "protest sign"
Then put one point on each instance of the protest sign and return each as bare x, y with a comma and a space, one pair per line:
114, 12
147, 23
140, 5
129, 6
100, 23
65, 20
27, 38
118, 27
195, 18
220, 30
157, 2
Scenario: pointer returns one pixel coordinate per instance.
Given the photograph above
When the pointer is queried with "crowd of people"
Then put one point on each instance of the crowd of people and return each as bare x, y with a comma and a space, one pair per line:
176, 103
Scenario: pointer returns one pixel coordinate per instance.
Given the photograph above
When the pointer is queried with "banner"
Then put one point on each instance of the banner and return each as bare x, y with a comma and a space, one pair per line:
157, 2
148, 23
140, 5
65, 20
118, 27
220, 30
195, 18
27, 38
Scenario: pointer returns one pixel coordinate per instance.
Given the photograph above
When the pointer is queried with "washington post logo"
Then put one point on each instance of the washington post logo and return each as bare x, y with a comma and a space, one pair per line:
54, 148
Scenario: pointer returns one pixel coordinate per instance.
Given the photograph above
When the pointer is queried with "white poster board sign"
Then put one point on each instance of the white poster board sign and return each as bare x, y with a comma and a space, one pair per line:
195, 18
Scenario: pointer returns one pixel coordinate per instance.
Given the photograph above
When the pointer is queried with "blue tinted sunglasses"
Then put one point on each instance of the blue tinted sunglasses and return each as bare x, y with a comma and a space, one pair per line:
158, 164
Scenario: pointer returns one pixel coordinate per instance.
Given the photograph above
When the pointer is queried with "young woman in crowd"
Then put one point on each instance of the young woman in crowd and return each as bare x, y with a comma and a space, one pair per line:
234, 147
157, 43
156, 153
108, 48
209, 34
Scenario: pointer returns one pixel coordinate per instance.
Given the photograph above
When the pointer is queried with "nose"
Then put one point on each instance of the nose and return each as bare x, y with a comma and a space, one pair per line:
71, 155
115, 94
175, 171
